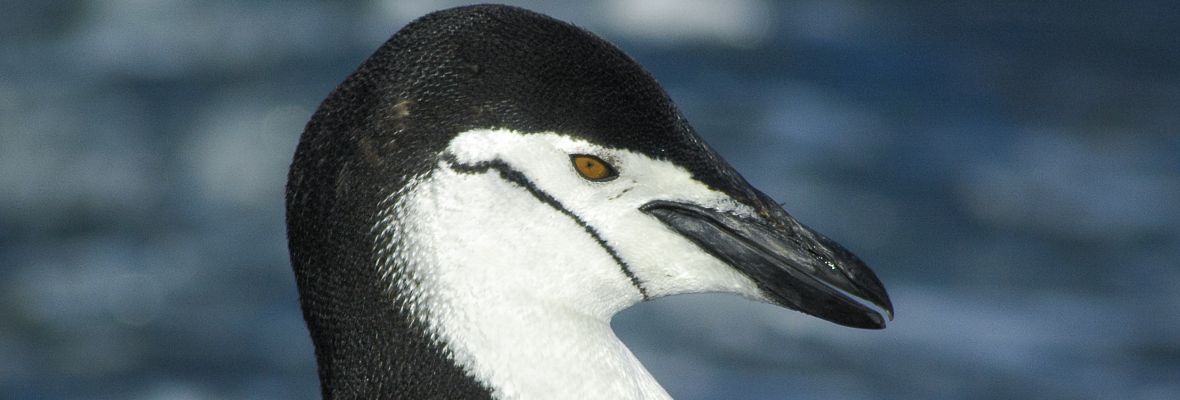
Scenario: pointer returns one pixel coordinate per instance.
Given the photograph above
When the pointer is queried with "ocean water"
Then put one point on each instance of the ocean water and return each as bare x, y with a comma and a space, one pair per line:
1011, 171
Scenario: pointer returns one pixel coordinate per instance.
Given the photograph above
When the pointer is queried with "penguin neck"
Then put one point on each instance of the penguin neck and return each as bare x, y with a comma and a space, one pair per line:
523, 349
499, 301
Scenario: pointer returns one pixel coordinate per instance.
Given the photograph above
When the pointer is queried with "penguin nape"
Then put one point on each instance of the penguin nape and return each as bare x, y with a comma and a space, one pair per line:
468, 210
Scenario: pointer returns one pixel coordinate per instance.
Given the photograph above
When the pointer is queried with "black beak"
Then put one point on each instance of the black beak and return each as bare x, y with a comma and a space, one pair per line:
795, 266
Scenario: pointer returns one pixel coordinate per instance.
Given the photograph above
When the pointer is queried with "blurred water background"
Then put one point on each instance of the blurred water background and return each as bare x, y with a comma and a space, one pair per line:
1011, 170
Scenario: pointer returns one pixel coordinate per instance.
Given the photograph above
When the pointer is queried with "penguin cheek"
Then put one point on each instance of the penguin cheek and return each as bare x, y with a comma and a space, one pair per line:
621, 190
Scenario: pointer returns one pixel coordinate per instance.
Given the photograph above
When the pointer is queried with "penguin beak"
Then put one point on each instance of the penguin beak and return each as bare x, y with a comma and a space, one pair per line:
794, 266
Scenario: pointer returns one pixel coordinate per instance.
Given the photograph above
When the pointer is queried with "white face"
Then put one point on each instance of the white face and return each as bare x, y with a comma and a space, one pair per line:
517, 261
662, 262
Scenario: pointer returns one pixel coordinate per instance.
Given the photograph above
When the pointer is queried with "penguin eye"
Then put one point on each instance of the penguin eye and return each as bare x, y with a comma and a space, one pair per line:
593, 168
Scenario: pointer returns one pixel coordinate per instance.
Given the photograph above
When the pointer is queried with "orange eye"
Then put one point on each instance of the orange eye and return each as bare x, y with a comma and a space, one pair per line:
593, 168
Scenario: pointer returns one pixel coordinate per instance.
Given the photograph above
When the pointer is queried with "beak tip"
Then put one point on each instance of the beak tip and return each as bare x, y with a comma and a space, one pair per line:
883, 319
882, 300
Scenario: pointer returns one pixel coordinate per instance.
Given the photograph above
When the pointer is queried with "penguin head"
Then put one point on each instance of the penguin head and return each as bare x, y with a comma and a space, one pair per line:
544, 159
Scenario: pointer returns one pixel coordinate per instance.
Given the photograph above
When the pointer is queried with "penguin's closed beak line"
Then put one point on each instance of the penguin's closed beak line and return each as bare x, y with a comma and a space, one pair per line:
468, 210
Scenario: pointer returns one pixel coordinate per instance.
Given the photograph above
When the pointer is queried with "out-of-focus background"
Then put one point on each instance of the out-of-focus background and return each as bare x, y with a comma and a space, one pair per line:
1011, 170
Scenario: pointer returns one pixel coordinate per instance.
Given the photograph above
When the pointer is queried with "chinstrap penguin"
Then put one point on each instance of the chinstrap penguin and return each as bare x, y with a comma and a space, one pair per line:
468, 210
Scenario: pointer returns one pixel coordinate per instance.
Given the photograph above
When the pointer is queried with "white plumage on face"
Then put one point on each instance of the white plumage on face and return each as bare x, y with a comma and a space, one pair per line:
522, 260
662, 261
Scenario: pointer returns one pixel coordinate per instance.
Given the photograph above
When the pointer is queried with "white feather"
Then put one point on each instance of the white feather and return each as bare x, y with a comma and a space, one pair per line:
519, 291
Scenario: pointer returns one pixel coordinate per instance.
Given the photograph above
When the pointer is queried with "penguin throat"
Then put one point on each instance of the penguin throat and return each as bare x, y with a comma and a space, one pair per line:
518, 292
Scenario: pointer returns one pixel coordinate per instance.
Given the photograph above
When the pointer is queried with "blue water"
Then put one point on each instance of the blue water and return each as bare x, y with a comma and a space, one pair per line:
1011, 171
